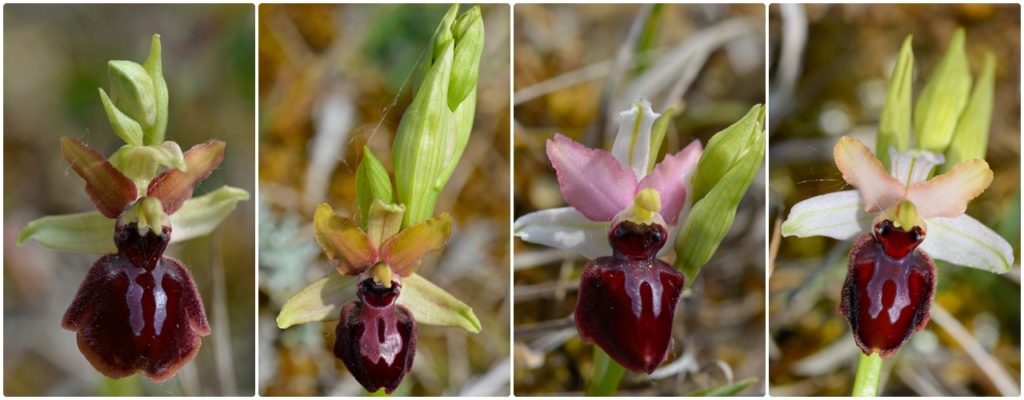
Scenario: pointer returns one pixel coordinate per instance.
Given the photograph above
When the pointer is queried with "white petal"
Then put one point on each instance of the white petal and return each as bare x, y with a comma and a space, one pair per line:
565, 228
965, 241
632, 145
838, 215
913, 166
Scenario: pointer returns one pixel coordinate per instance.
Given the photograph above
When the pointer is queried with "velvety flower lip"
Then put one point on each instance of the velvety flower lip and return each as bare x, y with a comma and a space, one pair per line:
138, 310
599, 185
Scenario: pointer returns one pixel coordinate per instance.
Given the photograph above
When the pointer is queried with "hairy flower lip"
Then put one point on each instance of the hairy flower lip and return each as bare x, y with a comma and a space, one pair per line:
376, 338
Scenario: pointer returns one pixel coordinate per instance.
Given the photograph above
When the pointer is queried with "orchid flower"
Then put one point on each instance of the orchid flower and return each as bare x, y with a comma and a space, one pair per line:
904, 220
622, 213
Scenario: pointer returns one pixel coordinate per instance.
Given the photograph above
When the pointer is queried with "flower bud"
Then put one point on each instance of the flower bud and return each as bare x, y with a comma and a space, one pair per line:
944, 98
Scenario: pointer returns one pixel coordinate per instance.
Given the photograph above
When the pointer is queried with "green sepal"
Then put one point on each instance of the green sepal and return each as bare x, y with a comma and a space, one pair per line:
970, 140
131, 90
142, 163
469, 46
322, 301
894, 127
385, 220
943, 98
88, 232
199, 216
723, 151
711, 217
154, 66
424, 142
372, 183
658, 137
124, 126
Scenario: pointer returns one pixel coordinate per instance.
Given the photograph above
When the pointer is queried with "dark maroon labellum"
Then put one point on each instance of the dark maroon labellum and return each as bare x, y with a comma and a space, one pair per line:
376, 338
888, 289
138, 310
627, 301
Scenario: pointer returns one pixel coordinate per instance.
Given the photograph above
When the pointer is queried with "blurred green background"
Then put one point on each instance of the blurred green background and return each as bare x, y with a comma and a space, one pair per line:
836, 87
567, 81
55, 58
334, 78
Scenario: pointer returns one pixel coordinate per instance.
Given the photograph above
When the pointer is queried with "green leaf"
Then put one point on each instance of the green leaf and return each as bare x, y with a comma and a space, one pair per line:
124, 126
154, 67
201, 215
711, 217
372, 183
894, 127
943, 98
970, 140
322, 301
89, 232
723, 150
724, 390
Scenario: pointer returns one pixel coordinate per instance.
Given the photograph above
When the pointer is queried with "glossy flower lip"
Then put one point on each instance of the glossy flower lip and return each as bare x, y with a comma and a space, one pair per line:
599, 186
940, 203
138, 311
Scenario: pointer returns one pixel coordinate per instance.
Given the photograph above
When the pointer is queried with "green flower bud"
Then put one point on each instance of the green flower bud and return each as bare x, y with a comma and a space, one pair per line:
137, 106
732, 158
943, 98
894, 127
970, 140
372, 183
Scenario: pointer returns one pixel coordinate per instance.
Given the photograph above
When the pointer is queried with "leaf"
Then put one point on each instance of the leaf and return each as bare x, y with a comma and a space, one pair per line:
89, 232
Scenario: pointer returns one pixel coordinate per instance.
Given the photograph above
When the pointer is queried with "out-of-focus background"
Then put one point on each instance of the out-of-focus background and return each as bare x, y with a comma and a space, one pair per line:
55, 58
576, 68
334, 78
830, 70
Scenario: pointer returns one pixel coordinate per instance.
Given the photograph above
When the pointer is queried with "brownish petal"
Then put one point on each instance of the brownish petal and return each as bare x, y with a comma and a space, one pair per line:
132, 320
343, 241
107, 187
175, 186
405, 250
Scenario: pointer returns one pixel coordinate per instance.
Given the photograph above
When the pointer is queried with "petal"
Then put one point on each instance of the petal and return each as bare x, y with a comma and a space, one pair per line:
669, 179
89, 232
947, 195
592, 181
632, 147
404, 251
626, 308
862, 170
108, 188
837, 215
913, 166
320, 301
965, 241
175, 186
434, 306
886, 299
343, 241
201, 215
565, 228
130, 320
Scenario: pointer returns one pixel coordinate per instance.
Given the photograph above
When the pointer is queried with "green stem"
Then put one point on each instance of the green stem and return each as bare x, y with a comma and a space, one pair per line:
607, 374
869, 372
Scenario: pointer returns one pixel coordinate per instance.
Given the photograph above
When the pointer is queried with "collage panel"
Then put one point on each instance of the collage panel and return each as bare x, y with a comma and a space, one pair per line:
919, 269
615, 216
384, 176
97, 178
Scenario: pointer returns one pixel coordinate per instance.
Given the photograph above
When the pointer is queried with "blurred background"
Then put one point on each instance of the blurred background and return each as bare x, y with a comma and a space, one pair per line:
576, 68
55, 58
830, 68
334, 78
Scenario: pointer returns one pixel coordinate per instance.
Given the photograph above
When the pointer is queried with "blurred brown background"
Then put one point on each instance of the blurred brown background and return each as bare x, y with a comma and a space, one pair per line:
55, 56
836, 86
334, 78
708, 62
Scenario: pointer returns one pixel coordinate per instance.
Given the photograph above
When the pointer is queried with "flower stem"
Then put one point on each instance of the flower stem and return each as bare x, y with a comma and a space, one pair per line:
607, 374
869, 372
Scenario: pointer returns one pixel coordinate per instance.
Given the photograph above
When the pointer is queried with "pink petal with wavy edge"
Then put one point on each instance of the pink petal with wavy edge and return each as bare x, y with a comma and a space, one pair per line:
947, 195
592, 181
669, 179
862, 170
